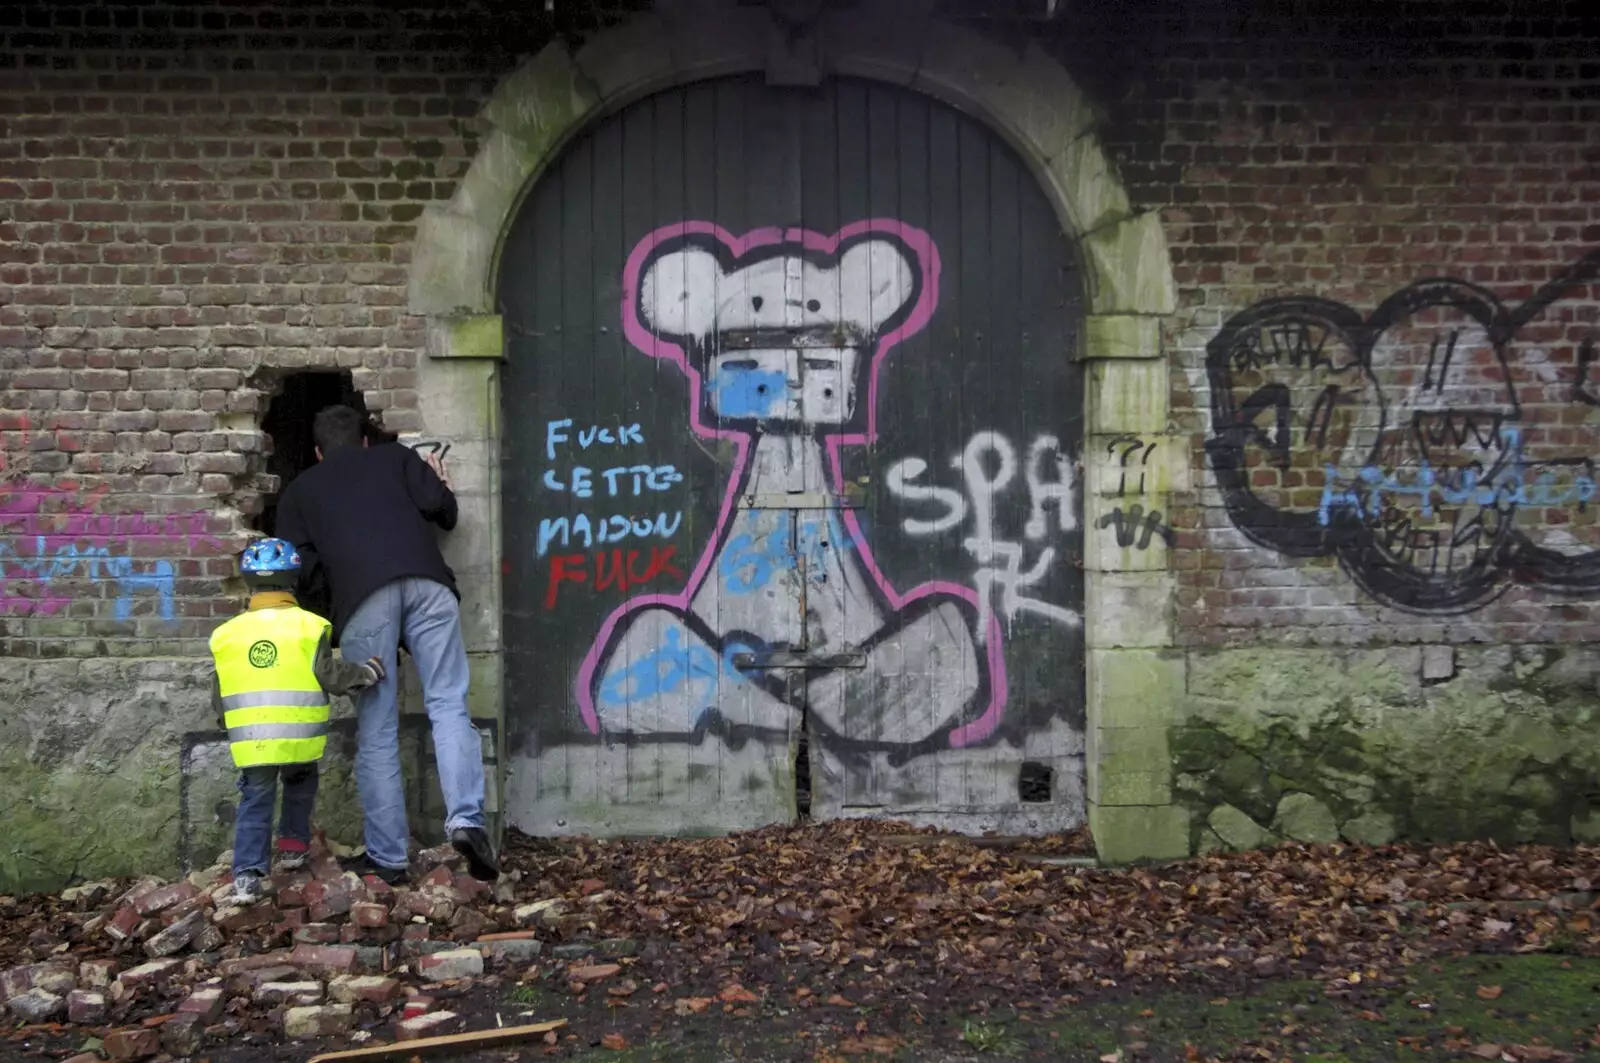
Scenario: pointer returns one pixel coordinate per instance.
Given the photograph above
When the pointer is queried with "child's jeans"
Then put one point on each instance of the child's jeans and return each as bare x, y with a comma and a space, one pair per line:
258, 792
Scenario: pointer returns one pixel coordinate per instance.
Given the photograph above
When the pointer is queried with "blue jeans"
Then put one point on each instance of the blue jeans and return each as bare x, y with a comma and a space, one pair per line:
258, 792
428, 616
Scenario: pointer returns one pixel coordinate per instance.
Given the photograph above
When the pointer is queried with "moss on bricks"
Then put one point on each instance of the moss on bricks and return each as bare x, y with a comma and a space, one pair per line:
1508, 748
86, 821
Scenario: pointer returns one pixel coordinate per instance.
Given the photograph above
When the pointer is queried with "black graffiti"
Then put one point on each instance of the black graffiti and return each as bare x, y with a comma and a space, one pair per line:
430, 447
1135, 522
1410, 462
1580, 387
1130, 445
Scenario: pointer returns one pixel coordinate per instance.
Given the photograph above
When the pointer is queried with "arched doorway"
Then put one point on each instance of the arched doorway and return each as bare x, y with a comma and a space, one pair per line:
791, 425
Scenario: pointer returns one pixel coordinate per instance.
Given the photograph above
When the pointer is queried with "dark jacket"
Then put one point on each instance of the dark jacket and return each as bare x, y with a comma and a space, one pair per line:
364, 517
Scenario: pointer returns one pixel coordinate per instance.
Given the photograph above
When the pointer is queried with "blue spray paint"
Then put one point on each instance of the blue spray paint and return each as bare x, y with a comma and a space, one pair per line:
613, 529
96, 563
747, 392
750, 561
1506, 488
671, 667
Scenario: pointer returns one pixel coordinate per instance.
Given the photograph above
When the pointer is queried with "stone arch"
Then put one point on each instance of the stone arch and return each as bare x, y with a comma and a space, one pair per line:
1030, 100
1134, 679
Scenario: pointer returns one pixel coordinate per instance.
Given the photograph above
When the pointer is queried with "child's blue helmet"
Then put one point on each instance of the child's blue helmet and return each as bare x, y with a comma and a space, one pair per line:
270, 555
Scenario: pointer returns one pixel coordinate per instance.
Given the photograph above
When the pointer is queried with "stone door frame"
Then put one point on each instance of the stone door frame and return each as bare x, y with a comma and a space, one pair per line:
1135, 675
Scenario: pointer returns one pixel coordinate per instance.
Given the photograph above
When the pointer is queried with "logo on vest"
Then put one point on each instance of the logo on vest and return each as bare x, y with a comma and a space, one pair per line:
264, 654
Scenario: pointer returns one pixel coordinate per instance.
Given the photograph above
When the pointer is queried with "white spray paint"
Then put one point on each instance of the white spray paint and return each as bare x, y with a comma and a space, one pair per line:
988, 465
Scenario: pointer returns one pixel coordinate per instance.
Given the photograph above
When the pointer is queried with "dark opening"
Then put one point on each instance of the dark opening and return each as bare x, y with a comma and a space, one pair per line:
300, 397
802, 773
1034, 782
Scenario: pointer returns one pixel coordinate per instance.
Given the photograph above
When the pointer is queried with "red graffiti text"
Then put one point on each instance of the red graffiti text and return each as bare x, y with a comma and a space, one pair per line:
619, 569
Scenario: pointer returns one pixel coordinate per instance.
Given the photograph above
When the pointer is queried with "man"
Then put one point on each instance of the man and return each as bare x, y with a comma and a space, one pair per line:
363, 514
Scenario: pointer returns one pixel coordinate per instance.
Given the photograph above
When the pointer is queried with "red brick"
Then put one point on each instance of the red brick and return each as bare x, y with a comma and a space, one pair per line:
317, 933
241, 919
371, 988
369, 915
206, 1003
160, 899
472, 889
121, 925
239, 964
431, 1024
156, 972
334, 959
86, 1007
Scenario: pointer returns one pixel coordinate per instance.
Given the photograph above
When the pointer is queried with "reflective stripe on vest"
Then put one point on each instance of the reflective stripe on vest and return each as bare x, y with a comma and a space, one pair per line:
275, 710
256, 732
257, 698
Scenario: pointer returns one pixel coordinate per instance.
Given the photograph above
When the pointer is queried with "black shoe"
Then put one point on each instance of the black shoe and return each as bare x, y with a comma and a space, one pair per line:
473, 843
363, 865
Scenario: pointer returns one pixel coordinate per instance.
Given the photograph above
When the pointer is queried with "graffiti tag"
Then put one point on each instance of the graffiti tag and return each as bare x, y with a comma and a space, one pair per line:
989, 465
1432, 447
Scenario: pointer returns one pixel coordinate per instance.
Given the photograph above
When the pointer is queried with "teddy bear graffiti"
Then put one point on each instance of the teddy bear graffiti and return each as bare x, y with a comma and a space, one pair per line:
780, 334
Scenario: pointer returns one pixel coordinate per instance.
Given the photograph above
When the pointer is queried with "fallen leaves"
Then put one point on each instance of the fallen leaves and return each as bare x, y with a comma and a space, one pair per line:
691, 1005
738, 994
870, 1044
1489, 992
614, 1041
593, 972
860, 897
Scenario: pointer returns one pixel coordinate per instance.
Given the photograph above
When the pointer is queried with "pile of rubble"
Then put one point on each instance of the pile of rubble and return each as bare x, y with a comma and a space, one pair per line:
158, 967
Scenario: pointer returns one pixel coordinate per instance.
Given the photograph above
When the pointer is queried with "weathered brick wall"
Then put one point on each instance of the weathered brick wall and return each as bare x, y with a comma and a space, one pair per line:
1347, 151
195, 197
198, 198
1385, 231
194, 200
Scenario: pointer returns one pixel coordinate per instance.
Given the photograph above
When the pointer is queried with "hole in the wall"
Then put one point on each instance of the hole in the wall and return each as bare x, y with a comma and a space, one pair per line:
299, 398
1034, 783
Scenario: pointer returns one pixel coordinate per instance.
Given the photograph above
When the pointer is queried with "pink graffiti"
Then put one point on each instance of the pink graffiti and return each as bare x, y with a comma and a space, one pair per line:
52, 533
921, 245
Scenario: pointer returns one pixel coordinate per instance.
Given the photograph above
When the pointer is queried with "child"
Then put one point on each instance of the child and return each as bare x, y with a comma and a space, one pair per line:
275, 670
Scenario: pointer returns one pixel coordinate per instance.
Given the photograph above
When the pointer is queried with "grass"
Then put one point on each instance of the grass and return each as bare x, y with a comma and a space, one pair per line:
526, 993
1443, 1010
991, 1038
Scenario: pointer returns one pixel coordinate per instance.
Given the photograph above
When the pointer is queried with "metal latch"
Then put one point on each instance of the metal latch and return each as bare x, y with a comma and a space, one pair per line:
800, 659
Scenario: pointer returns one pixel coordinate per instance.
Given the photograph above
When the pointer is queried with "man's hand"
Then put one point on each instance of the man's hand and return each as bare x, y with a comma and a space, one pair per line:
436, 463
375, 671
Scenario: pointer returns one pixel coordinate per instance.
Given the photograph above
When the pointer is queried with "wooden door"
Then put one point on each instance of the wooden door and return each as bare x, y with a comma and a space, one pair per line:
792, 423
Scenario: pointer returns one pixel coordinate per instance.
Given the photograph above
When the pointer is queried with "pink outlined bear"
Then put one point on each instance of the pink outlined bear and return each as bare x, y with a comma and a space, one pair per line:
779, 332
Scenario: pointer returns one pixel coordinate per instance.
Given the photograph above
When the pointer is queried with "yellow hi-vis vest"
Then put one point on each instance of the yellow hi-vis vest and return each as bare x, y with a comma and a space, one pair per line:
275, 710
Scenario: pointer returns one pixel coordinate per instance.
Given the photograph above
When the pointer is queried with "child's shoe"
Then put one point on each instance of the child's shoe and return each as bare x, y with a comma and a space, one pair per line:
292, 854
246, 889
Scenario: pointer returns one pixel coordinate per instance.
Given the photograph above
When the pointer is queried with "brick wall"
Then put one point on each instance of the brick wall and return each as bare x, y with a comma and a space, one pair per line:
195, 199
1345, 152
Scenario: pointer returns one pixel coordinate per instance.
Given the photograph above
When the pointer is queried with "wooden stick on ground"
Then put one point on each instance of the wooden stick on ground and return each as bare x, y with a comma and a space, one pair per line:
457, 1042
